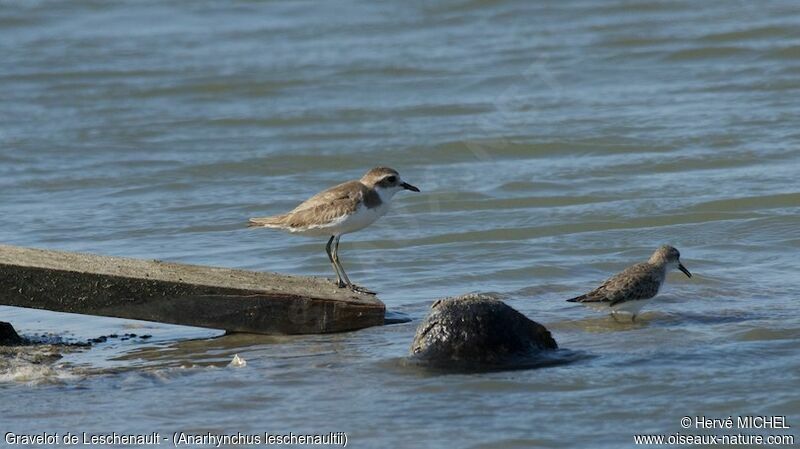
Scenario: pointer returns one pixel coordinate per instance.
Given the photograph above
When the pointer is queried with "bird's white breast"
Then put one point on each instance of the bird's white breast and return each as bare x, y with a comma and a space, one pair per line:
632, 307
360, 218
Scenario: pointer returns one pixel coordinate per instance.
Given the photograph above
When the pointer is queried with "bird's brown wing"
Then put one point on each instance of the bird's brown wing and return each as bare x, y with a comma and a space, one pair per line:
633, 283
351, 191
320, 209
327, 205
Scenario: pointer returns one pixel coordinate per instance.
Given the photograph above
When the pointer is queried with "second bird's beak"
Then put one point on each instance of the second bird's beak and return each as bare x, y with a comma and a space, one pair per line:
685, 271
408, 186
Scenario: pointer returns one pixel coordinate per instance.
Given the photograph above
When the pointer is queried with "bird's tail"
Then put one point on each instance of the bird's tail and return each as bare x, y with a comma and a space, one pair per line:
266, 222
580, 298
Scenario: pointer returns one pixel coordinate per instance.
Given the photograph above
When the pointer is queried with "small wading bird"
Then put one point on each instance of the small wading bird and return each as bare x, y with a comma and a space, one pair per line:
628, 290
344, 208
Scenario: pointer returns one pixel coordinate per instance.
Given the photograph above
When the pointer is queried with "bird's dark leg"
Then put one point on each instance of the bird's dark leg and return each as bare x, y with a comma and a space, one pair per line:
344, 281
335, 267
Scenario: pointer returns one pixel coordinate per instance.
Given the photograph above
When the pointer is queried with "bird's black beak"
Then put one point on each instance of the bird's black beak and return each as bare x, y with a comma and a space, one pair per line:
408, 186
685, 271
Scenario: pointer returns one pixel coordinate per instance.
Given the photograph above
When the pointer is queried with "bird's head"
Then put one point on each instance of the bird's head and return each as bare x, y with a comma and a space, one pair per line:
386, 181
670, 257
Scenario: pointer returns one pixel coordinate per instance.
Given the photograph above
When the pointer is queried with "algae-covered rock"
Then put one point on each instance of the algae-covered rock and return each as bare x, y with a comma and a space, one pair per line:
478, 329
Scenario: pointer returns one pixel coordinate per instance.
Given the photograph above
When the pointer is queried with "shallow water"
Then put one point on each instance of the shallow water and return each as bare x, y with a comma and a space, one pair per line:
554, 144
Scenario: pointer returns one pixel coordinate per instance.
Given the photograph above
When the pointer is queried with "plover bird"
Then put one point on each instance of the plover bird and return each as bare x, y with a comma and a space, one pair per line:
628, 290
342, 209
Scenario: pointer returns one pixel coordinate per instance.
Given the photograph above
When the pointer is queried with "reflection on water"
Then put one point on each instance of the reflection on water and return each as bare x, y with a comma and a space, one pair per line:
216, 351
544, 360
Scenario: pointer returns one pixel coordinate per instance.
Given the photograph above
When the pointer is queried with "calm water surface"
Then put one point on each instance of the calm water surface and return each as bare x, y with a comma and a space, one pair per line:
554, 142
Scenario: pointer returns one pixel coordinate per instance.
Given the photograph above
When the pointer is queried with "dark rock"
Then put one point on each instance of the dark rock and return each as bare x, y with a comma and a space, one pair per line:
8, 336
478, 329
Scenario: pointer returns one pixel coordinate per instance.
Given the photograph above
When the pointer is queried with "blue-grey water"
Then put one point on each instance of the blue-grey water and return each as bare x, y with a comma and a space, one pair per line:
555, 143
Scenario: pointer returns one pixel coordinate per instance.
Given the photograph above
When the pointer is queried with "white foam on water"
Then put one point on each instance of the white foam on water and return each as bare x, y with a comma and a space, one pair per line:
23, 371
237, 362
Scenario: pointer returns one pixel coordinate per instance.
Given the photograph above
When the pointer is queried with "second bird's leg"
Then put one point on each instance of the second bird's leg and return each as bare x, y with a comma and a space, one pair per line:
339, 281
340, 268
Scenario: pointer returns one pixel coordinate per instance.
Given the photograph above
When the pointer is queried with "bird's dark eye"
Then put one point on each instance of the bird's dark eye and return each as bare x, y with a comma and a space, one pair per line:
392, 179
